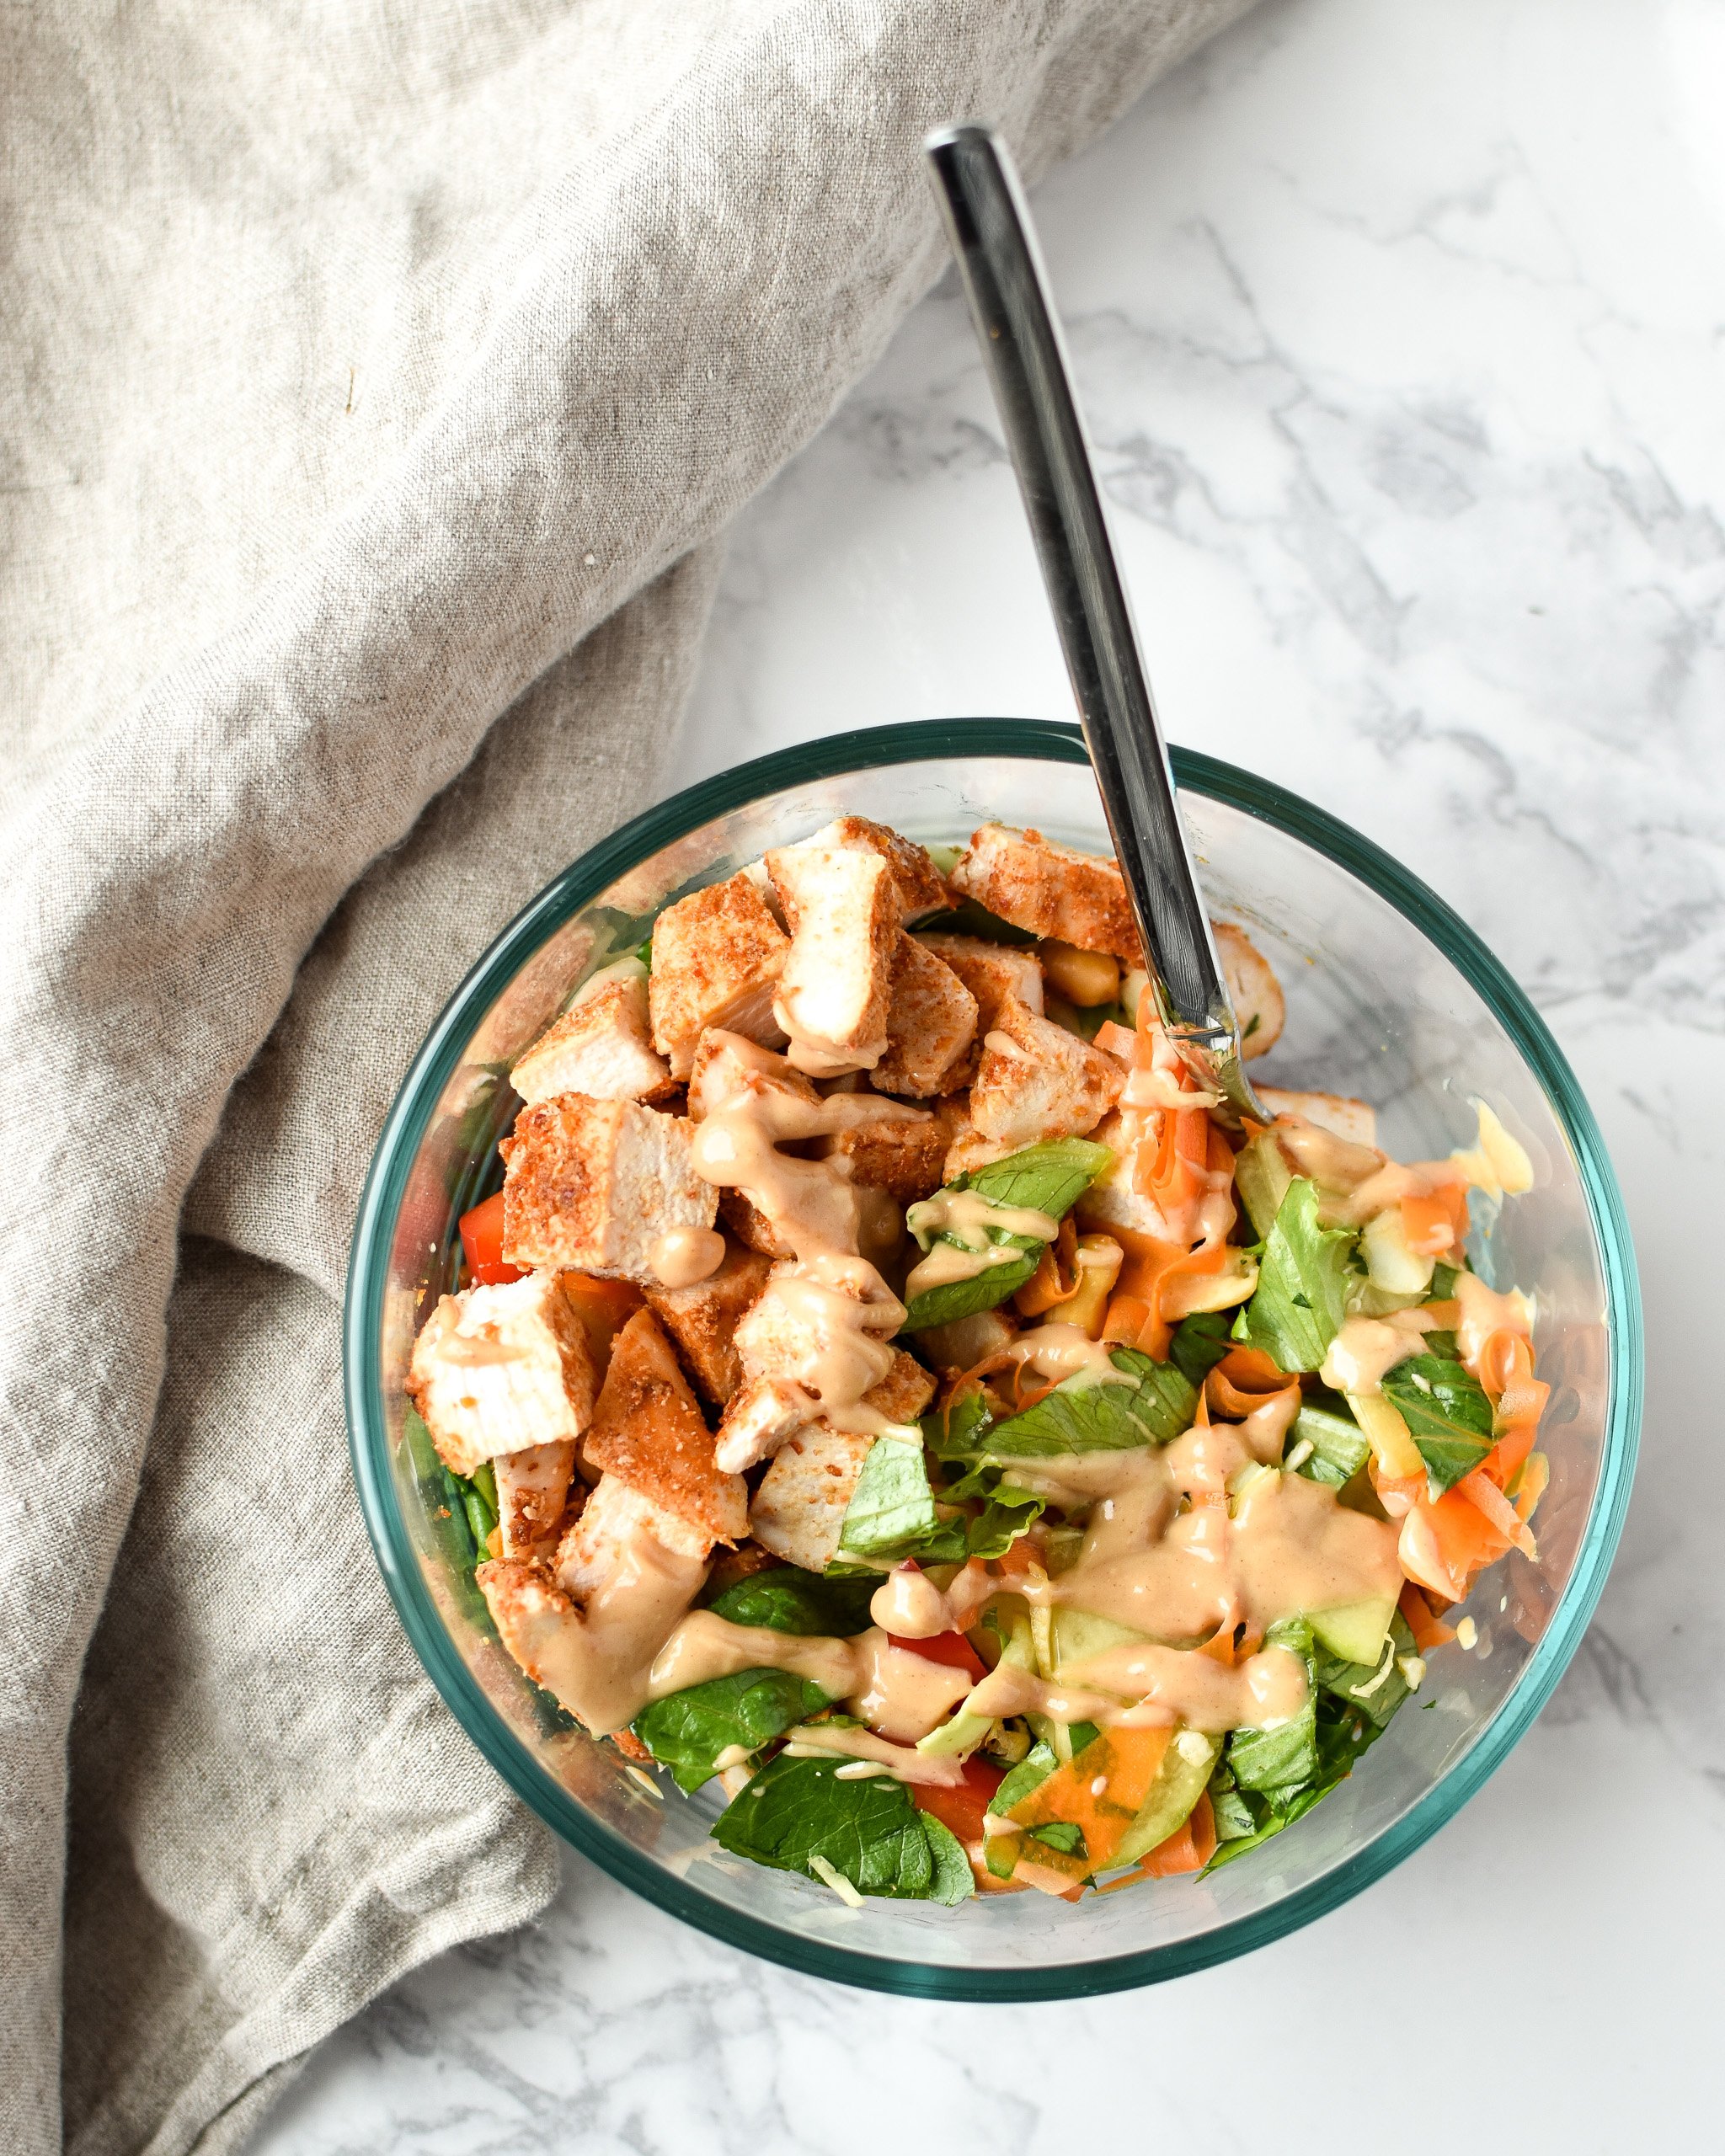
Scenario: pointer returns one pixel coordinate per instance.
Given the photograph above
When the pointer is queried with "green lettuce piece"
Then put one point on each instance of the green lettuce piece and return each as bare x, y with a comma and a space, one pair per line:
1339, 1448
959, 1430
1081, 1416
1301, 1298
1447, 1414
870, 1831
1007, 1513
787, 1600
688, 1730
891, 1514
1262, 1177
1200, 1343
1048, 1178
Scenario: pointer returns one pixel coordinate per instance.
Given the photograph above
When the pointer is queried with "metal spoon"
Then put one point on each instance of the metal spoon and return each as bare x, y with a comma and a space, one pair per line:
989, 226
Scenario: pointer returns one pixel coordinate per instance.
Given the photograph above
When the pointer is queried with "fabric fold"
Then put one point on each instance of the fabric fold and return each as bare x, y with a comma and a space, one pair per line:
373, 401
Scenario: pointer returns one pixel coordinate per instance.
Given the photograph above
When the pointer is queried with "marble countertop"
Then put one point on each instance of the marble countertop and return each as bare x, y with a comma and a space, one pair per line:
1400, 331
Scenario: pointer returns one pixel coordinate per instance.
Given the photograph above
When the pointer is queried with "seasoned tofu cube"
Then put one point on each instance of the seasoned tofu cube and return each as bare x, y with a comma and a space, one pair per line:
963, 1342
1037, 1080
615, 1521
1256, 993
648, 1432
590, 1186
702, 1320
800, 1505
717, 958
533, 1494
903, 1392
760, 1416
844, 911
800, 1509
601, 1046
726, 1064
750, 1226
900, 1154
991, 972
931, 1023
921, 887
804, 1317
1339, 1113
1049, 890
496, 1370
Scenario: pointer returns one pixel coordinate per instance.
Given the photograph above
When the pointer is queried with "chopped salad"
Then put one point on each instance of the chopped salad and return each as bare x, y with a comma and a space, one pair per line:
888, 1393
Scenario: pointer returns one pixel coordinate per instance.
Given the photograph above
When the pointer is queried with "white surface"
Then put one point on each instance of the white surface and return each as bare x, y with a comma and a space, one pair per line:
1400, 332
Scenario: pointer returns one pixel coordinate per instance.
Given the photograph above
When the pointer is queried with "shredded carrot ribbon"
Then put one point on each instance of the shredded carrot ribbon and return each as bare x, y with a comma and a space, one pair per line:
1427, 1630
1190, 1847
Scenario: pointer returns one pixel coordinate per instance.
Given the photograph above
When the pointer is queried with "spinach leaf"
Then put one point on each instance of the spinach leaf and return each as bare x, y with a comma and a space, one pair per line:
1339, 1447
956, 1298
1447, 1414
1444, 1279
1342, 1728
1061, 1835
1048, 1178
1376, 1691
1277, 1762
1081, 1416
1200, 1343
787, 1600
870, 1831
1299, 1305
891, 1513
688, 1730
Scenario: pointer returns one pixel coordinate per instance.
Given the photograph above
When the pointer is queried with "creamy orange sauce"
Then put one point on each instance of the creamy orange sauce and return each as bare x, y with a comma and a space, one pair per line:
814, 1740
900, 1693
1057, 1351
1366, 1349
1289, 1548
704, 1647
596, 1664
682, 1256
1484, 1311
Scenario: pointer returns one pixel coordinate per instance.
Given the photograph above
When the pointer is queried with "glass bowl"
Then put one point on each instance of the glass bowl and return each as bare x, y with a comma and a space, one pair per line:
1389, 996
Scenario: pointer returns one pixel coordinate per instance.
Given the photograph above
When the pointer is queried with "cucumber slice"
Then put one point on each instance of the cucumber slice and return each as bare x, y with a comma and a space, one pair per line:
1355, 1631
1076, 1635
1186, 1768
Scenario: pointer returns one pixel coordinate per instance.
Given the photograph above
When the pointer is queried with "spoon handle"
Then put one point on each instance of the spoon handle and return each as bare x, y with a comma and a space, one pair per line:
989, 230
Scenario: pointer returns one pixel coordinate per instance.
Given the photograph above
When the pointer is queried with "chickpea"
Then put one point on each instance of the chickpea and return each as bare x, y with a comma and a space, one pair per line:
1086, 978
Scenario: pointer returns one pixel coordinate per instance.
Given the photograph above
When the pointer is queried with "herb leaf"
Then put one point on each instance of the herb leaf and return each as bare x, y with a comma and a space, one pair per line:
870, 1831
1299, 1303
1048, 1178
787, 1600
1447, 1414
688, 1730
1081, 1416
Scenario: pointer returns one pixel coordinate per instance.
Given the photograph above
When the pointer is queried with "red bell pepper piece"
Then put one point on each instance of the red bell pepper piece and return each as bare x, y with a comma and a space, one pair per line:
482, 1238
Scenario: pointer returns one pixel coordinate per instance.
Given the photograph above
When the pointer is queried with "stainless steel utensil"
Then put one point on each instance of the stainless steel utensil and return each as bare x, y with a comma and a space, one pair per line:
989, 226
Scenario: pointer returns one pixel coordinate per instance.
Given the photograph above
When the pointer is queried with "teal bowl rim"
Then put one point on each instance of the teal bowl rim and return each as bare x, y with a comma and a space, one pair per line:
918, 742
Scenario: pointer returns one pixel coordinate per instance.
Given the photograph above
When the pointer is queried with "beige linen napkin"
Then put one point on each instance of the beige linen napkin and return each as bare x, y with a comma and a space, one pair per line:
374, 382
